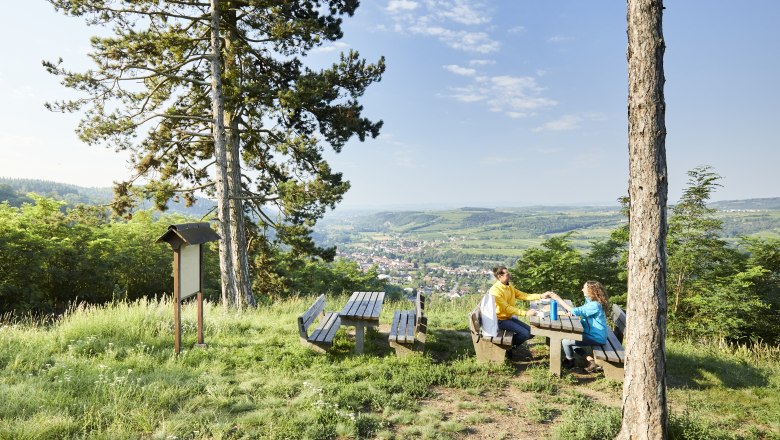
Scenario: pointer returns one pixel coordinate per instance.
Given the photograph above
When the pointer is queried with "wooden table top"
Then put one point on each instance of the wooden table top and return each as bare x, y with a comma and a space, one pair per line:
364, 306
563, 323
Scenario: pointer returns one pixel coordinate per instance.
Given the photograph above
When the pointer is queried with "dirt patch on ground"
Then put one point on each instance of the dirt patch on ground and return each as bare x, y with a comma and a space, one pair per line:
511, 412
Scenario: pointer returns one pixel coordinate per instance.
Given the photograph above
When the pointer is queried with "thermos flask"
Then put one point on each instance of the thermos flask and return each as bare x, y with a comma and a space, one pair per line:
553, 310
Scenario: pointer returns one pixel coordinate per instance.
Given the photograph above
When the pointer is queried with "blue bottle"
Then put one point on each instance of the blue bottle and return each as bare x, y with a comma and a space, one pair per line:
553, 310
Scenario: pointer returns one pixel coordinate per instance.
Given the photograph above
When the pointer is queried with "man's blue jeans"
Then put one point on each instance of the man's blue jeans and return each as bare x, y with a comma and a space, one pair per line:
521, 329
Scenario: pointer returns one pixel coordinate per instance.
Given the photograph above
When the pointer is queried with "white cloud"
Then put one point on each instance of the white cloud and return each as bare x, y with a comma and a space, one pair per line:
481, 62
457, 70
461, 11
402, 5
569, 122
566, 122
516, 30
337, 46
514, 96
450, 21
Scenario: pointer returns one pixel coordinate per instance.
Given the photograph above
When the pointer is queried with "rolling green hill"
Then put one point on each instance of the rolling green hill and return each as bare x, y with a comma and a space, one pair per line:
15, 191
480, 235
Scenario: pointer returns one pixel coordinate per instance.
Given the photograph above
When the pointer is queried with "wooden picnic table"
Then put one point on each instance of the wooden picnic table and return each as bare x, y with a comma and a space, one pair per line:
555, 331
362, 310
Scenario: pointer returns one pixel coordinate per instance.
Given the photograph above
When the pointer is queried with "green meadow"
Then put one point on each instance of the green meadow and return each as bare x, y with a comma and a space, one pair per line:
109, 371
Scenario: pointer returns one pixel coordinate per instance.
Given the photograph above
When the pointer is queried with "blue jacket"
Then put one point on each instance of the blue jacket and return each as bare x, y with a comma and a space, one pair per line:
593, 320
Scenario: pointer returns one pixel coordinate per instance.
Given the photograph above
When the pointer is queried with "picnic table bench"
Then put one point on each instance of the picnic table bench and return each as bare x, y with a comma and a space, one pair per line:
407, 332
321, 339
488, 348
611, 356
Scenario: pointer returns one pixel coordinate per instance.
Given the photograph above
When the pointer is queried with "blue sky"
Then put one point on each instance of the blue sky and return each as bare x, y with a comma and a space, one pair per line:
489, 103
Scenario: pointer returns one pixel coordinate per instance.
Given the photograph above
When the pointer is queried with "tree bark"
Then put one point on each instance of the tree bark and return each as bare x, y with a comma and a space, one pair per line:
645, 413
227, 273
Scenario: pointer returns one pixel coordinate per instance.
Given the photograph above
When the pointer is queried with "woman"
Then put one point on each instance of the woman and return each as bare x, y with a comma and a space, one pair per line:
594, 321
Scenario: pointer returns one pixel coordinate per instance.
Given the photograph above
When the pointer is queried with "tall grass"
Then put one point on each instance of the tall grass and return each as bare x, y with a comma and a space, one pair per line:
110, 372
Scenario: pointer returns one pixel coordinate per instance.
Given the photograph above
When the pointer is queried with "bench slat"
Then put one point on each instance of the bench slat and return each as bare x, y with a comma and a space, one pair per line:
394, 326
403, 324
324, 331
616, 346
410, 320
310, 315
609, 351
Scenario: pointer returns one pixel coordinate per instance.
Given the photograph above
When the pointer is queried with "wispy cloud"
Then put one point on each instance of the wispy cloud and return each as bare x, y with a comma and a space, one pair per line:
515, 96
481, 62
402, 5
450, 21
458, 70
406, 158
569, 122
337, 46
558, 39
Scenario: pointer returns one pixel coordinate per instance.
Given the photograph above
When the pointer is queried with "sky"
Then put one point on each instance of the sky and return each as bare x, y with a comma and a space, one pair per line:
484, 103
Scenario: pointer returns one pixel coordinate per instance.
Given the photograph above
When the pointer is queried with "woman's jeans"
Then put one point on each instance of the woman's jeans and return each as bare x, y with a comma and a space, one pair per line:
521, 329
570, 346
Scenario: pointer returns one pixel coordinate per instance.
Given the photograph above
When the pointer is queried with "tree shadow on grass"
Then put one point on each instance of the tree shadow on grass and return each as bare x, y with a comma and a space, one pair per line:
708, 371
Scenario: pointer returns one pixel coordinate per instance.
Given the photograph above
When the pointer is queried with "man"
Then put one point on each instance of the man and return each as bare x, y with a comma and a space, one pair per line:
506, 296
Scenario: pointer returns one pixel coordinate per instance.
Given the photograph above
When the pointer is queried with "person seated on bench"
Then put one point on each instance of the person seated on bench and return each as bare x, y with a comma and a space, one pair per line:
594, 323
506, 296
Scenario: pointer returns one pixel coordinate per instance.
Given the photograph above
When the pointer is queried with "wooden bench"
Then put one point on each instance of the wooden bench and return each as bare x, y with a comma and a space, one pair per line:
611, 356
488, 348
321, 338
407, 333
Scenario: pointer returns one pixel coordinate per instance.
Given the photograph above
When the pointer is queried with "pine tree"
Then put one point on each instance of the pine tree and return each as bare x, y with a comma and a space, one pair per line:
150, 93
645, 414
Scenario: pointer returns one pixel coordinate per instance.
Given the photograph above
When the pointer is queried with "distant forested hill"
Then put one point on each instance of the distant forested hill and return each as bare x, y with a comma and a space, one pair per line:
15, 191
12, 189
772, 203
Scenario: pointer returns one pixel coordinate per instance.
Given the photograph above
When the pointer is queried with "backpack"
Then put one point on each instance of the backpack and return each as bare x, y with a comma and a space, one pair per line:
487, 308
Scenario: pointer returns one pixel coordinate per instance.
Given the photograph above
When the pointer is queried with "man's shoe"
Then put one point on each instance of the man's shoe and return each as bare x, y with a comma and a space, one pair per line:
568, 363
593, 367
509, 354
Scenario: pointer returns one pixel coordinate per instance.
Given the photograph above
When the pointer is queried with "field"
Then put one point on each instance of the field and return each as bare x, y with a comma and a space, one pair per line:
110, 372
476, 235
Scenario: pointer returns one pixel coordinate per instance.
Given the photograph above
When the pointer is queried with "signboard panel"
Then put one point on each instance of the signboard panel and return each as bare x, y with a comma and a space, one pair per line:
189, 268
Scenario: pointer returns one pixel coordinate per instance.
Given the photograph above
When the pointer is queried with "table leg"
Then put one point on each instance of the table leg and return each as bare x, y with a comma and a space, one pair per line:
555, 356
360, 331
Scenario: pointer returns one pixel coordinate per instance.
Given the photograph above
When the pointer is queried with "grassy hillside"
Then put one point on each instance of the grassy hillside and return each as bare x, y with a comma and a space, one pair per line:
109, 372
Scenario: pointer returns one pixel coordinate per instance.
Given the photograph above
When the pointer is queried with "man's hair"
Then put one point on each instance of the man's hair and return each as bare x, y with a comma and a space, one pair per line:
498, 269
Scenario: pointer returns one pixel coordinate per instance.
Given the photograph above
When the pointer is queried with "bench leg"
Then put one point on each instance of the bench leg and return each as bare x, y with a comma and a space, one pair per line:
315, 347
612, 370
404, 350
488, 351
360, 336
555, 356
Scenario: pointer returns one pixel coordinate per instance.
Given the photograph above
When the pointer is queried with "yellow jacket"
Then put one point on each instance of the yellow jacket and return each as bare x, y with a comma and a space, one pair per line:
506, 296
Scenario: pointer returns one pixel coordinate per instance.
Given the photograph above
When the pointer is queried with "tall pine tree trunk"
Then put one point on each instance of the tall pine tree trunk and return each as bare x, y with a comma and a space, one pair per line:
239, 248
227, 273
239, 255
644, 390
